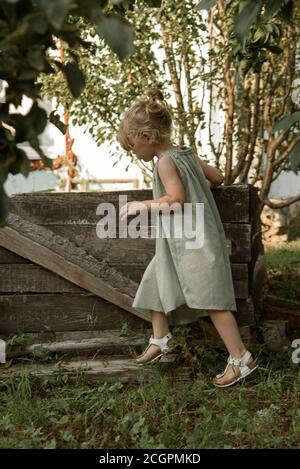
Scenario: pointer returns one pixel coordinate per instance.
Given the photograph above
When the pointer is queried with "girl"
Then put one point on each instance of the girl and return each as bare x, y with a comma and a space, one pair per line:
180, 284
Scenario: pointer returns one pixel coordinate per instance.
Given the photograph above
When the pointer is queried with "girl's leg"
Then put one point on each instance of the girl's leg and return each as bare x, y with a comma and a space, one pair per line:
160, 325
226, 325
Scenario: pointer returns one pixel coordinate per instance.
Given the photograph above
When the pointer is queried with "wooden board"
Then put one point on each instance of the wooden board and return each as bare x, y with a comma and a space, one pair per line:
71, 262
84, 343
124, 250
233, 203
32, 278
75, 312
97, 371
109, 342
9, 257
62, 312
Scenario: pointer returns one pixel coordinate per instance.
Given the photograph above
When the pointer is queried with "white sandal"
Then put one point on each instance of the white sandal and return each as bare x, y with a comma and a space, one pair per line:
241, 368
163, 349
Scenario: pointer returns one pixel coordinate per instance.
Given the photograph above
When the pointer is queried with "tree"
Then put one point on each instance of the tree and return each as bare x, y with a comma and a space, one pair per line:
167, 44
254, 83
251, 84
27, 32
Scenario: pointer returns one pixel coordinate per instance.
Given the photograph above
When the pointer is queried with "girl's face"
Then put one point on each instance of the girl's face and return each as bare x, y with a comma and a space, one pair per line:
142, 146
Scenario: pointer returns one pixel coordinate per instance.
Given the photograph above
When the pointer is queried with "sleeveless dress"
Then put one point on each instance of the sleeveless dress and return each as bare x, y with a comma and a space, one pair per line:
185, 281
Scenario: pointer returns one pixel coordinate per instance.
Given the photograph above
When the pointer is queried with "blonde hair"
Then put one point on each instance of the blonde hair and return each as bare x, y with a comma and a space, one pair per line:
147, 114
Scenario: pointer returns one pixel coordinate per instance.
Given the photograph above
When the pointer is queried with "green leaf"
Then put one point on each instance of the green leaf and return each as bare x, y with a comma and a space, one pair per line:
294, 157
153, 3
56, 11
118, 34
246, 16
206, 4
38, 24
272, 7
36, 59
28, 126
37, 118
55, 120
286, 122
75, 78
25, 163
21, 163
287, 10
28, 74
274, 49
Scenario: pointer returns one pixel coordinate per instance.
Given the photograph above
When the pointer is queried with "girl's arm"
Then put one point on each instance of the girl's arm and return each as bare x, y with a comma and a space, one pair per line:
171, 179
213, 175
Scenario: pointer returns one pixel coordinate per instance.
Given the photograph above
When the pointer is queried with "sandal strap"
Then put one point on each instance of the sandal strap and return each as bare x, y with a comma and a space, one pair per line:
240, 361
161, 343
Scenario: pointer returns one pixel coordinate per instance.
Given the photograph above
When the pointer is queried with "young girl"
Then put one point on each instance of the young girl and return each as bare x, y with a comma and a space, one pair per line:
180, 284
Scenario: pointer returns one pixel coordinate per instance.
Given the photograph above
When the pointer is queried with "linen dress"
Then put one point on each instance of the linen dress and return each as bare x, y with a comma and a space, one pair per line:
186, 282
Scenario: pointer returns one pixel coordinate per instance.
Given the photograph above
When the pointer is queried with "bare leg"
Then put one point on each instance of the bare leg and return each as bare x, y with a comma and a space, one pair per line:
160, 325
226, 325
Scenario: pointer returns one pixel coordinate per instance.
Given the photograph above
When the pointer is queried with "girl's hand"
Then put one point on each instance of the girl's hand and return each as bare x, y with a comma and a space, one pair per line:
131, 208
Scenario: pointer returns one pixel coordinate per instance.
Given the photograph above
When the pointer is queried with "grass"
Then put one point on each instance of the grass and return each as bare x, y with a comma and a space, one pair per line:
263, 411
283, 265
260, 412
286, 255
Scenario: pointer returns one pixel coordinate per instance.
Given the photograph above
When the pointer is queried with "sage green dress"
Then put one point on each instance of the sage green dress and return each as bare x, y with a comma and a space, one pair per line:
185, 282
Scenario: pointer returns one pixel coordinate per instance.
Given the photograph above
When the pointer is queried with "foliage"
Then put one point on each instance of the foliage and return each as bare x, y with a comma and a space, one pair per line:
260, 130
262, 412
250, 60
238, 80
28, 30
167, 45
247, 17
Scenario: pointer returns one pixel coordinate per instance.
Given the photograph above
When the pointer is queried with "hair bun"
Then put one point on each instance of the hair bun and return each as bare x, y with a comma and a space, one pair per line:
155, 94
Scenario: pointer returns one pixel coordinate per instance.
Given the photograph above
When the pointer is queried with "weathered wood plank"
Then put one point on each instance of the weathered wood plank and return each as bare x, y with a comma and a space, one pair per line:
63, 257
232, 202
108, 342
245, 312
97, 371
57, 312
60, 336
258, 263
75, 312
141, 250
209, 334
32, 278
9, 257
104, 343
276, 308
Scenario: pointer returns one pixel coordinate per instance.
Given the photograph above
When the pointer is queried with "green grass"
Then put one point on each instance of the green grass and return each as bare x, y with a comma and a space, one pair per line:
286, 255
283, 265
261, 412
